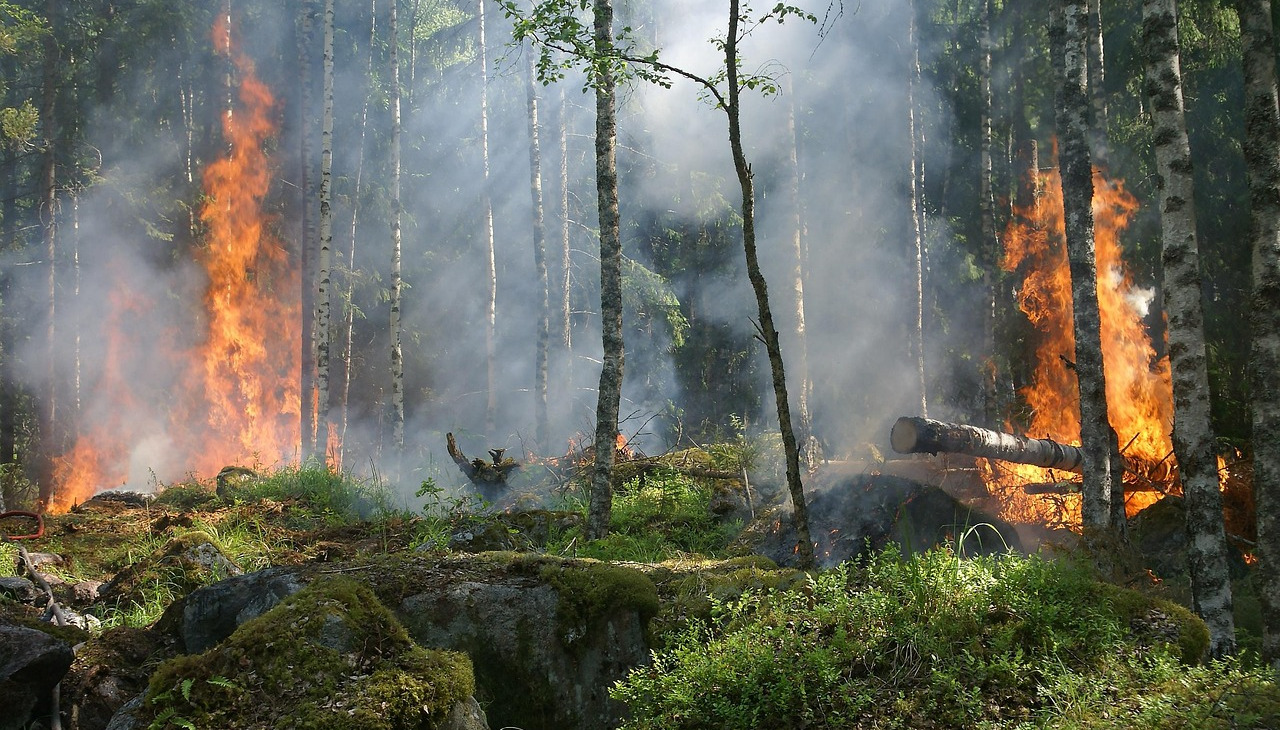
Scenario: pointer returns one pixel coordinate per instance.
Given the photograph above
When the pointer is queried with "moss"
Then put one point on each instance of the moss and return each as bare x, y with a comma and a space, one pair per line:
690, 594
186, 496
330, 656
1155, 620
591, 591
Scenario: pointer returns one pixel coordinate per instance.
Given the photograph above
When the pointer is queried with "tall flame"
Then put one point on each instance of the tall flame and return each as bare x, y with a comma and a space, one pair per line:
1139, 390
238, 396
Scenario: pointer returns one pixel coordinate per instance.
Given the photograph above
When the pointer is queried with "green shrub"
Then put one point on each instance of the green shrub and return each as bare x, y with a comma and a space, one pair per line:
933, 641
659, 516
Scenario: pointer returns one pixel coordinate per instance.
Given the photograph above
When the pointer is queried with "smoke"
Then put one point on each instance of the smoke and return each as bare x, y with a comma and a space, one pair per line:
846, 81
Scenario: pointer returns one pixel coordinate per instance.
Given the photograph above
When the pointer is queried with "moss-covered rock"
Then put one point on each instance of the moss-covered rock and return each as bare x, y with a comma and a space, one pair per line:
330, 656
1157, 621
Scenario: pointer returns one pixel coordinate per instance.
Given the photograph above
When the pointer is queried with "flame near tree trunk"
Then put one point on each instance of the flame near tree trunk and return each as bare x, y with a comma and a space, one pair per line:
237, 398
1139, 390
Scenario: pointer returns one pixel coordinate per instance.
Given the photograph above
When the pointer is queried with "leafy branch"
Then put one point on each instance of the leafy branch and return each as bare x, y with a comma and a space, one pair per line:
566, 42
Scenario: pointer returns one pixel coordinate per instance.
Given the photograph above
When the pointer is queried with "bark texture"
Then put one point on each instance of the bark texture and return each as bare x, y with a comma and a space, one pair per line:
306, 259
1077, 201
543, 314
1193, 441
324, 264
609, 394
914, 435
768, 332
490, 260
1262, 155
397, 213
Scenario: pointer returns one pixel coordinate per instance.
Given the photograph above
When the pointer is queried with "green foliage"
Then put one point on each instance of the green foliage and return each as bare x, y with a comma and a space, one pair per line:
444, 515
328, 495
655, 517
933, 641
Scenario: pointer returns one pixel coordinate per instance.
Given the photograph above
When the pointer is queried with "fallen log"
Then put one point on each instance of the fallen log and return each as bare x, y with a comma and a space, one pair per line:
915, 435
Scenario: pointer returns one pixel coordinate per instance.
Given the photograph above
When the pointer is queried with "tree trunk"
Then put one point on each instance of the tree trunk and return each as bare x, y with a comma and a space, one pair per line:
1262, 155
306, 260
913, 435
48, 212
349, 316
1077, 202
566, 263
609, 395
811, 450
1193, 440
915, 334
486, 233
1097, 87
768, 332
539, 262
323, 333
397, 212
989, 246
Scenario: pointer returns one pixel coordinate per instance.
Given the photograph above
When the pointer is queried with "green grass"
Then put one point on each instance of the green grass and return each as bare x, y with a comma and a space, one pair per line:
939, 641
659, 517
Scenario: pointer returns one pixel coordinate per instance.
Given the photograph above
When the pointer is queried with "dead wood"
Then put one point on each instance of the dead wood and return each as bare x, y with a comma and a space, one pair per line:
479, 471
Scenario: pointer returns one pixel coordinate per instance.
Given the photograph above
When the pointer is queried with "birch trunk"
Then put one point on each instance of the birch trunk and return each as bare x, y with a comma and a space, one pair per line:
811, 449
768, 332
1076, 165
989, 246
349, 316
915, 335
539, 262
306, 261
1097, 87
1262, 155
566, 263
609, 395
486, 234
323, 295
397, 212
1192, 432
48, 207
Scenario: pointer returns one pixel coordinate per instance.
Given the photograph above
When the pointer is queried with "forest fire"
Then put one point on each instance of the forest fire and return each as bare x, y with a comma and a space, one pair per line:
1139, 390
238, 396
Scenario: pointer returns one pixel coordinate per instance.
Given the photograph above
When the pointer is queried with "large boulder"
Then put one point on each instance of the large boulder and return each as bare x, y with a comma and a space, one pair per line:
547, 637
330, 655
32, 663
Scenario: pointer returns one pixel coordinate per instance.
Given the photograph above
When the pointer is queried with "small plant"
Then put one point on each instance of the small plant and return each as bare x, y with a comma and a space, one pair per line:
444, 514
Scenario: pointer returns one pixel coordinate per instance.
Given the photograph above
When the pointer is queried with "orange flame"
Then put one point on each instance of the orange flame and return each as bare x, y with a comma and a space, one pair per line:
238, 396
1139, 390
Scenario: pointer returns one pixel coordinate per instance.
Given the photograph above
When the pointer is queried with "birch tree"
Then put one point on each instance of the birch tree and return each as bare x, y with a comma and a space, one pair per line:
1072, 121
306, 259
1262, 155
486, 238
1193, 440
397, 212
323, 265
543, 315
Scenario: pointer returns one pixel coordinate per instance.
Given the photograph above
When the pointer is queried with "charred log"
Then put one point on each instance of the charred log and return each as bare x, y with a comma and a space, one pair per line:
914, 435
479, 471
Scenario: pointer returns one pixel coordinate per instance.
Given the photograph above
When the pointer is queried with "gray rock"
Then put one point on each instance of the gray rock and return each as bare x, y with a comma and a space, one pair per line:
20, 590
86, 591
466, 715
126, 717
31, 664
210, 614
534, 667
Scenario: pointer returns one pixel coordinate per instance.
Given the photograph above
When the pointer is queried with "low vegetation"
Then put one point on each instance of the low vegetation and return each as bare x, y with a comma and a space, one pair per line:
931, 640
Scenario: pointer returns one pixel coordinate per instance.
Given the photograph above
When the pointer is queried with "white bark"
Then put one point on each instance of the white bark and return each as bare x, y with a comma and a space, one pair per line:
397, 212
1193, 441
323, 304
